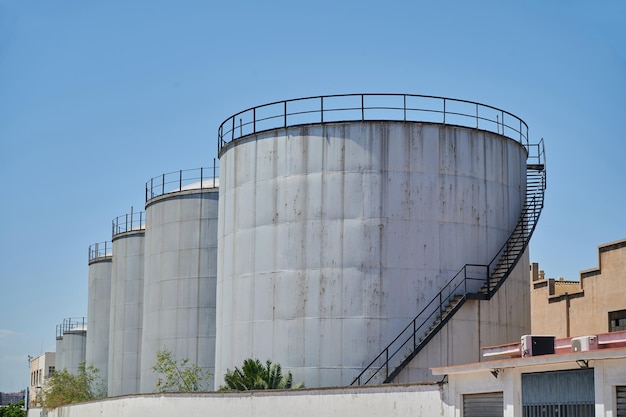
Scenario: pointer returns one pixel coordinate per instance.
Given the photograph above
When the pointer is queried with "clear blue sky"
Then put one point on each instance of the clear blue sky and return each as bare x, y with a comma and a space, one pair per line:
98, 97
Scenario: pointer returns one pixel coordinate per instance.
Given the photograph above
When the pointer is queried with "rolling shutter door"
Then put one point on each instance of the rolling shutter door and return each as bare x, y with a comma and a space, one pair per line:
620, 393
488, 404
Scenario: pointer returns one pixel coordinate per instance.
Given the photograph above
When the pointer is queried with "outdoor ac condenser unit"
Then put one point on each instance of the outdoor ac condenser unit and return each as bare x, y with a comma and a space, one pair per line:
584, 343
537, 345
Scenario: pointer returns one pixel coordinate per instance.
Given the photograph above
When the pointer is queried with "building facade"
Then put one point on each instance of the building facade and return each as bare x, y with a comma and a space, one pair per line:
41, 368
595, 304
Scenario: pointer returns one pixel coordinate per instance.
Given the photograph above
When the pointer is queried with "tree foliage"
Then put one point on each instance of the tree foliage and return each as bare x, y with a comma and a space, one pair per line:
253, 375
64, 387
13, 410
179, 375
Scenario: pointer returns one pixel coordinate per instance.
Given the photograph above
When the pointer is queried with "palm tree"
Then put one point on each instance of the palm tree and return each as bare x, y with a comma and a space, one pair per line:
256, 376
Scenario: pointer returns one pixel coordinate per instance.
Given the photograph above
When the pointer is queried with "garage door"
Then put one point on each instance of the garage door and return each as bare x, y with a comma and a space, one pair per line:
483, 405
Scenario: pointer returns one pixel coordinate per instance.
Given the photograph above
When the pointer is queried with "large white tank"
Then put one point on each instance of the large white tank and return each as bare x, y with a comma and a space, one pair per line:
125, 322
71, 344
333, 234
98, 307
180, 270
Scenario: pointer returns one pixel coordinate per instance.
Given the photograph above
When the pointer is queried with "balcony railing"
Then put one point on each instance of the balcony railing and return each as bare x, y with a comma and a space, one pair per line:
371, 107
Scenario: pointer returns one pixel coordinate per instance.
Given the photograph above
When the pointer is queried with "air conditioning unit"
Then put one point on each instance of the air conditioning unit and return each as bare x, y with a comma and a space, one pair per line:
533, 345
584, 343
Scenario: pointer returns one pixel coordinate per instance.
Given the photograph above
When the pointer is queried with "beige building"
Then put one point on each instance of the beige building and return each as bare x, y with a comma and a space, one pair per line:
595, 304
41, 368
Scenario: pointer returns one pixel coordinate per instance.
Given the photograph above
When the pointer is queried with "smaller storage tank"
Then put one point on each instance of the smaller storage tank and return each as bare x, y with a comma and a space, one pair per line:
71, 344
126, 304
180, 270
99, 306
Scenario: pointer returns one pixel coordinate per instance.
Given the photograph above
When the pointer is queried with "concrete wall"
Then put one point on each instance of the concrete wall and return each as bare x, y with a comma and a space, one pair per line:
409, 400
180, 280
331, 237
586, 311
98, 314
126, 313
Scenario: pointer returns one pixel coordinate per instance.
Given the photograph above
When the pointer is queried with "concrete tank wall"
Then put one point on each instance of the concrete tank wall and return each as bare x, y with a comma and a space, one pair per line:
98, 313
74, 349
59, 361
332, 237
180, 271
126, 313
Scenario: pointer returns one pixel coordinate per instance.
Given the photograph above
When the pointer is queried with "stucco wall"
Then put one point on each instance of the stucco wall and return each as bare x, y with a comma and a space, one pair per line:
587, 309
426, 400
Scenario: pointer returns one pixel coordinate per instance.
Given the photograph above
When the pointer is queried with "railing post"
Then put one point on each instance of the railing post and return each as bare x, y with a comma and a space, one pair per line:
404, 102
240, 127
232, 131
362, 107
180, 180
476, 115
386, 363
162, 184
285, 114
440, 305
253, 128
322, 109
444, 111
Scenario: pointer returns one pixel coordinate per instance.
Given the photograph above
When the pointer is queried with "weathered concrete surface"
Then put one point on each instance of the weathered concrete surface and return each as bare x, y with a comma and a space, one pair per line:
126, 313
332, 238
399, 400
180, 280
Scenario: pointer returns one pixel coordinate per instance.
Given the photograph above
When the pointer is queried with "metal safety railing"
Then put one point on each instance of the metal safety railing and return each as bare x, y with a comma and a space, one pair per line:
189, 179
371, 107
128, 222
100, 250
473, 281
71, 324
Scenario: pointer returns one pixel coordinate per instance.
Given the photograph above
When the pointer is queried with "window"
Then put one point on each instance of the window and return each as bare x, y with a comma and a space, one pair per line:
617, 320
50, 371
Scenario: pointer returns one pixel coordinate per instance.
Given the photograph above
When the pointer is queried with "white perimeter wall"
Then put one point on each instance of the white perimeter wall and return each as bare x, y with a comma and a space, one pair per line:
401, 400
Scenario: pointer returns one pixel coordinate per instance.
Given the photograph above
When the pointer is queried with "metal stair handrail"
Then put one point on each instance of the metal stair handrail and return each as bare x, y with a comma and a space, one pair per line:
454, 294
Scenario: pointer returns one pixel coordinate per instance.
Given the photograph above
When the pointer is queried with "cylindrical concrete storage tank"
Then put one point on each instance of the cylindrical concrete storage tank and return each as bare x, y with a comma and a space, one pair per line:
341, 216
98, 307
180, 270
126, 304
59, 362
72, 335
